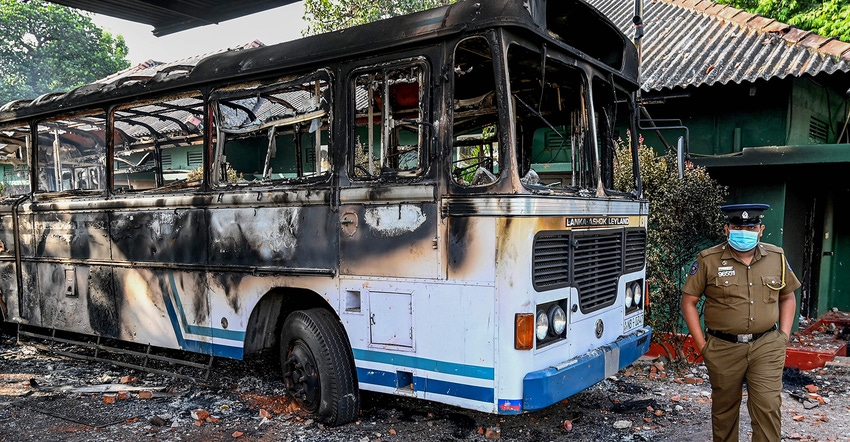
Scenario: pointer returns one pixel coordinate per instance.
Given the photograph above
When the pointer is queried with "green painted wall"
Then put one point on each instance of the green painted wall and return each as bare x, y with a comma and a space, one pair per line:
724, 119
815, 113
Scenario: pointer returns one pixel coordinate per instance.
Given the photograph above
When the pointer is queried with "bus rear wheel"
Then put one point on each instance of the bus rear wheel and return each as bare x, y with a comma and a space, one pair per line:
318, 366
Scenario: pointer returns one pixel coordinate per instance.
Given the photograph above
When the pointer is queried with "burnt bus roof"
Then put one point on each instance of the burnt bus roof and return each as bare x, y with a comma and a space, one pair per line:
571, 23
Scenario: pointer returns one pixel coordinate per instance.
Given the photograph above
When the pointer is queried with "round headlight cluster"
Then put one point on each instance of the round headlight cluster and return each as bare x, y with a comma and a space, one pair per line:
551, 322
634, 294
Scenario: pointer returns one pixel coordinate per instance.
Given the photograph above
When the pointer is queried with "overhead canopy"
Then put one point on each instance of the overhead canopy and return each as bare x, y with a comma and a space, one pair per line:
174, 15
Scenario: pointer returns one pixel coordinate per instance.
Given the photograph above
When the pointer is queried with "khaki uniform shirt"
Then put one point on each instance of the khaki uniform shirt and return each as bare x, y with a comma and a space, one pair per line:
739, 298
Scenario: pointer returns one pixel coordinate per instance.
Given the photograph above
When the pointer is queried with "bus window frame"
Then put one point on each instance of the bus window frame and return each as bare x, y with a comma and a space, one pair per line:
23, 155
585, 177
503, 119
159, 171
249, 89
424, 124
103, 151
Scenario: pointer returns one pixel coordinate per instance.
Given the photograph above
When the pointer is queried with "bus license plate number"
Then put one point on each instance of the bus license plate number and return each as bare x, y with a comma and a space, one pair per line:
633, 322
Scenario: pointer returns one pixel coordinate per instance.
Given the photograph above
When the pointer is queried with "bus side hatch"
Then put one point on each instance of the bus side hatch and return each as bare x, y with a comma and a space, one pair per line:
391, 319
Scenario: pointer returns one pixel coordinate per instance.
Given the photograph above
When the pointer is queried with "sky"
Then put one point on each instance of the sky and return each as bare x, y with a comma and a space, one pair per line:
270, 27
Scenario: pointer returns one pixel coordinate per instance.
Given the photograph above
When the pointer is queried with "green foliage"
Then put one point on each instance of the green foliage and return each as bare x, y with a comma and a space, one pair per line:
46, 47
684, 218
830, 18
333, 15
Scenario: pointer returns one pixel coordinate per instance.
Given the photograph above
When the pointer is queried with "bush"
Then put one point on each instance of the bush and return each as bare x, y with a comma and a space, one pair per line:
684, 218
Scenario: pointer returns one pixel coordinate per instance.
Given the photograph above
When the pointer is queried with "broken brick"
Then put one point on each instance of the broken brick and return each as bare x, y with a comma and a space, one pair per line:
145, 394
109, 398
200, 414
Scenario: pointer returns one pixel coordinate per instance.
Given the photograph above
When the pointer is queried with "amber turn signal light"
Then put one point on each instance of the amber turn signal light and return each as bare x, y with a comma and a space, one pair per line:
524, 331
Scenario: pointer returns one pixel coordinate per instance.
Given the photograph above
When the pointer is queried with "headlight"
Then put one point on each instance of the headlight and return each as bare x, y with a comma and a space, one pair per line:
630, 295
542, 327
557, 320
638, 290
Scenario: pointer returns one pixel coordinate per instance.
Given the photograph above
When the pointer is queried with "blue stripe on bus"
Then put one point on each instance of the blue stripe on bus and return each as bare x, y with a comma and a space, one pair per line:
470, 371
430, 386
194, 345
201, 330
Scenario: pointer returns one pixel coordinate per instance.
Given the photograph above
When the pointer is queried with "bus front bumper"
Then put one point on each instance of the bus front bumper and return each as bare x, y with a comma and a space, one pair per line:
545, 387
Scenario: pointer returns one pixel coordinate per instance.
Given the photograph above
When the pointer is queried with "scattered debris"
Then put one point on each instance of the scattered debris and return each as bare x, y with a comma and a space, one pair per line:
242, 401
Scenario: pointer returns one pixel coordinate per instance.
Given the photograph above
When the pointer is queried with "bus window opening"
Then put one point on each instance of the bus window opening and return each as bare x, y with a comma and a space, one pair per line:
552, 129
274, 134
475, 140
71, 152
159, 143
15, 160
389, 117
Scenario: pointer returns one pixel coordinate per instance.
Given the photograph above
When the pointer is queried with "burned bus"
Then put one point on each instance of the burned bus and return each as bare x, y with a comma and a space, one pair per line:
422, 206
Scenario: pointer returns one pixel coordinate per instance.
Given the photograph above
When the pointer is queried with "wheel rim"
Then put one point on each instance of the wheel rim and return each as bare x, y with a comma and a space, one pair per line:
301, 376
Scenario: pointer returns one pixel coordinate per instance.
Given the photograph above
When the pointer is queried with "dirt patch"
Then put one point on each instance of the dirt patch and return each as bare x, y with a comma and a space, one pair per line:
246, 401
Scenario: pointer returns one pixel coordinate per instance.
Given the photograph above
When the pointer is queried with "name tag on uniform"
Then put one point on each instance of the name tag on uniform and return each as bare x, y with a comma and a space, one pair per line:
725, 271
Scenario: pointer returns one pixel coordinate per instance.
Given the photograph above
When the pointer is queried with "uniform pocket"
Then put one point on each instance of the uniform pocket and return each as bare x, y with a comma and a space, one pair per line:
770, 288
727, 285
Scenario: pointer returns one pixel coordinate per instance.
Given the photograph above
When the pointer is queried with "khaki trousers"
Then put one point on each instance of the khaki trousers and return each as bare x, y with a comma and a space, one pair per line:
760, 363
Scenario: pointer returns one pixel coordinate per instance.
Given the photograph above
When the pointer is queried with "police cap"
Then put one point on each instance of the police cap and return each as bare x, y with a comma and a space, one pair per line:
744, 214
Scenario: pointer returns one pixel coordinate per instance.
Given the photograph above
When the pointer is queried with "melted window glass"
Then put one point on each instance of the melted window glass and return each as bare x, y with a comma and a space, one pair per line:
71, 153
159, 143
275, 133
475, 136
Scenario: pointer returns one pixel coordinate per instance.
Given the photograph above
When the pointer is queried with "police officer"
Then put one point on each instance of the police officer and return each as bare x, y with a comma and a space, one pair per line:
748, 288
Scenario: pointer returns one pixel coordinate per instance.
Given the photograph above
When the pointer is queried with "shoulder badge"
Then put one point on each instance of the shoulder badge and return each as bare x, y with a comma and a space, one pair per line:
694, 268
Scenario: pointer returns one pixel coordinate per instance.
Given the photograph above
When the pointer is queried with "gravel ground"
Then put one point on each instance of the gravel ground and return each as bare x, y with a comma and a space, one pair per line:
45, 397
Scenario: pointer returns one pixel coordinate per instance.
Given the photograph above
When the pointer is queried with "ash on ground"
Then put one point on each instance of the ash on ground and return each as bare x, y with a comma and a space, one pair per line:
48, 397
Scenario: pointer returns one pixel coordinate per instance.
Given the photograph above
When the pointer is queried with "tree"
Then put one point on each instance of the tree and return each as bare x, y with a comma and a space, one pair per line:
332, 15
684, 218
829, 18
46, 47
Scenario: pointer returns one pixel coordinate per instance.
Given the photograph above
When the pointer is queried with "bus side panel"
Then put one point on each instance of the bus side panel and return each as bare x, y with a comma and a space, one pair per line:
428, 340
288, 238
471, 244
393, 240
8, 277
71, 296
166, 236
163, 307
77, 298
74, 235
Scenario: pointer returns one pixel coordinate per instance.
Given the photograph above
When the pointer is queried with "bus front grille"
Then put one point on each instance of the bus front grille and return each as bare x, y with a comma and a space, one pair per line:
597, 265
551, 262
635, 249
590, 261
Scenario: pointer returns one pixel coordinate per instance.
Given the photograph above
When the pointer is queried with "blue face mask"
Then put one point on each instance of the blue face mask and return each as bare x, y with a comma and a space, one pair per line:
743, 240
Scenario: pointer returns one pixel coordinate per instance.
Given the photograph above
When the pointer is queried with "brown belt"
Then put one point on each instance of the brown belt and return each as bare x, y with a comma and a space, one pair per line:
739, 339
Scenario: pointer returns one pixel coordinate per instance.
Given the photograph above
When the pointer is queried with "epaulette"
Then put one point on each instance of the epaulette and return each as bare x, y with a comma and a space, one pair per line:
770, 248
712, 250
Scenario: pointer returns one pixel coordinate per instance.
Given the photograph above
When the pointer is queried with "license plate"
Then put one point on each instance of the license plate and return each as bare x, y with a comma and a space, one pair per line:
633, 322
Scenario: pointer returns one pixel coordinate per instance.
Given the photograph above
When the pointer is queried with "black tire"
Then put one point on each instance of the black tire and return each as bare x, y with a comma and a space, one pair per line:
318, 366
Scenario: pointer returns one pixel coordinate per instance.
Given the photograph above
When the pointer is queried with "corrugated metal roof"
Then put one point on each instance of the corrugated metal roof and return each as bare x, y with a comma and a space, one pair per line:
698, 42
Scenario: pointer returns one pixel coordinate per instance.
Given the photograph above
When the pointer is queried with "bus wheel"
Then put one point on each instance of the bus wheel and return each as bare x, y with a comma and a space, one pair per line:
318, 366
